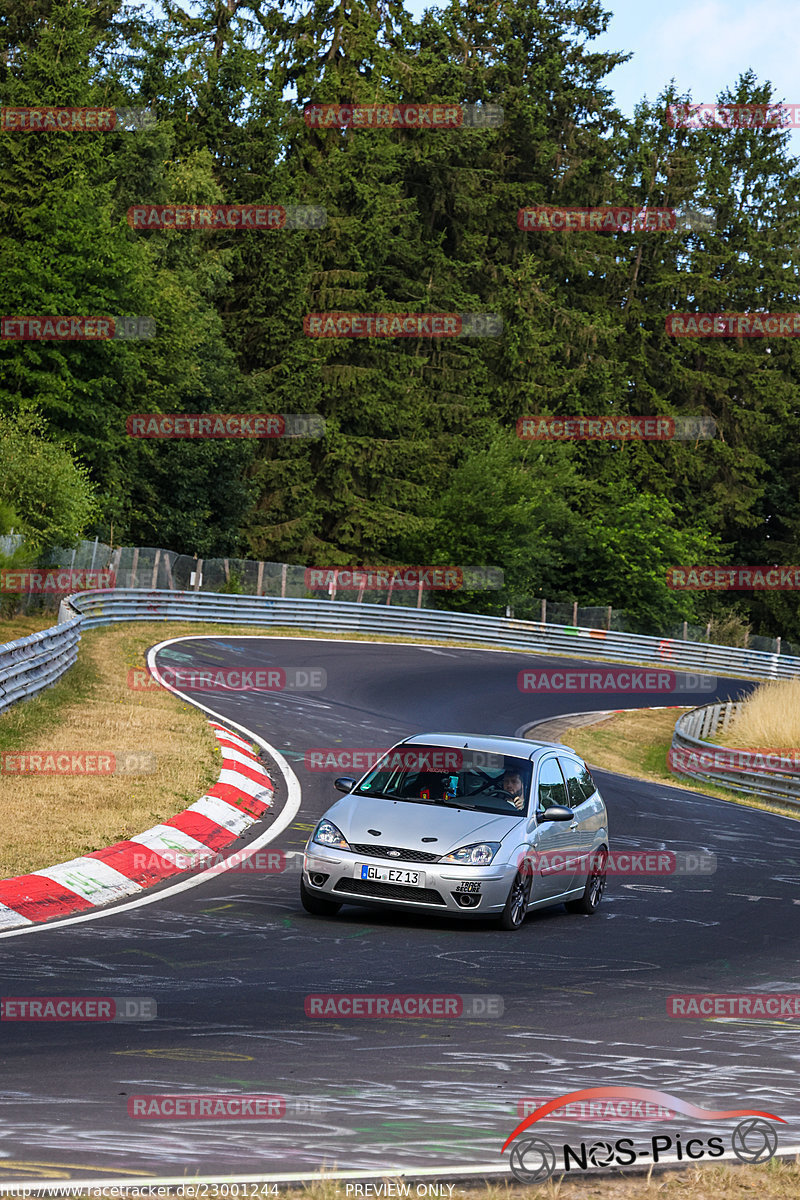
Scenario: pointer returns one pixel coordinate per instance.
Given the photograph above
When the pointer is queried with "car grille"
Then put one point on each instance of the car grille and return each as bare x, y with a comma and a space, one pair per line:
389, 891
399, 854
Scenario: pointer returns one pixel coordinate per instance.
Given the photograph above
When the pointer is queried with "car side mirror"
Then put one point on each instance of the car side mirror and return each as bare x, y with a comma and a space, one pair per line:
556, 812
345, 783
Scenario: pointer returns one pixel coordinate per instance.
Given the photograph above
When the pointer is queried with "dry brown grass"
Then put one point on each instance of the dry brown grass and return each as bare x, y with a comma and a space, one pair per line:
775, 1180
49, 819
12, 628
636, 743
46, 819
769, 717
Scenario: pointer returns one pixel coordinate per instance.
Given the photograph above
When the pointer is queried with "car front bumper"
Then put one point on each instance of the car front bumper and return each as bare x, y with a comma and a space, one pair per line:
337, 875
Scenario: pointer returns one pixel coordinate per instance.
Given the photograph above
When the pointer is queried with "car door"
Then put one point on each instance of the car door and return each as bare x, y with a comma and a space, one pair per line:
557, 843
580, 790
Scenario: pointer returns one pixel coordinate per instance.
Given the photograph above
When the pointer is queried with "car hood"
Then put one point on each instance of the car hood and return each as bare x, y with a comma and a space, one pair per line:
405, 824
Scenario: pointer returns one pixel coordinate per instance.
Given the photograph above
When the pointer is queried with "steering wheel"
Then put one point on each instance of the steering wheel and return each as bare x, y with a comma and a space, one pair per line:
491, 782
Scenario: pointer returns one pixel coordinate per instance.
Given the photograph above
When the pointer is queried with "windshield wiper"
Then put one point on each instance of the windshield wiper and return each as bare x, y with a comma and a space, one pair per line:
402, 799
381, 795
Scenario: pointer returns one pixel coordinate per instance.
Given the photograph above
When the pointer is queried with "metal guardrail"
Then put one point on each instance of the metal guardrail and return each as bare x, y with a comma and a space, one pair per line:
119, 604
34, 662
699, 758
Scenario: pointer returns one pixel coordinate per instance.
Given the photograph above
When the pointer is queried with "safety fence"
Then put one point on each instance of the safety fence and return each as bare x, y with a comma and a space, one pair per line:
695, 755
120, 604
154, 568
34, 662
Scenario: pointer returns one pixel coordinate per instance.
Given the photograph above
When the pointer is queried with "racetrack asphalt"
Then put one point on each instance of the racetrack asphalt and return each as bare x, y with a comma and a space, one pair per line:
230, 962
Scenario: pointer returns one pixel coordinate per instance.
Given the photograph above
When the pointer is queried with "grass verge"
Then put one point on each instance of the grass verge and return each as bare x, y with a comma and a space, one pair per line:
48, 818
14, 628
770, 716
636, 743
775, 1180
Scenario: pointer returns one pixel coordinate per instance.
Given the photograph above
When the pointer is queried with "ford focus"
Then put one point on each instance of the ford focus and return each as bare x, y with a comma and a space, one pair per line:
462, 825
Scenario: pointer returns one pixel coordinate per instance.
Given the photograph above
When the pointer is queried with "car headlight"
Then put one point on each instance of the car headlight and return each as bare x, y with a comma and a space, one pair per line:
327, 834
477, 855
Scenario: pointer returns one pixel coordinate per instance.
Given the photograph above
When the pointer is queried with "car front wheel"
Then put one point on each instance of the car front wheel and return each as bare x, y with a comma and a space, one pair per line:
595, 885
519, 898
318, 906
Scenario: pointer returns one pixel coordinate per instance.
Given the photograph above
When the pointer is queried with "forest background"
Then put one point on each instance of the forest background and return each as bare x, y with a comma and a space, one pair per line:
420, 461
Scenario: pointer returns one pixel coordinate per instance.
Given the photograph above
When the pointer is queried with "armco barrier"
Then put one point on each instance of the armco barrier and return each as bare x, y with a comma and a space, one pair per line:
33, 663
28, 665
691, 732
105, 607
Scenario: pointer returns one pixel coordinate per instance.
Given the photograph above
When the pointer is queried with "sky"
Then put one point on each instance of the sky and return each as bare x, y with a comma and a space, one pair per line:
704, 44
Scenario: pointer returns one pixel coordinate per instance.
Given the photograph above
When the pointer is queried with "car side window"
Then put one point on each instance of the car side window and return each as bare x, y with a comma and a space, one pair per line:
551, 785
575, 788
587, 783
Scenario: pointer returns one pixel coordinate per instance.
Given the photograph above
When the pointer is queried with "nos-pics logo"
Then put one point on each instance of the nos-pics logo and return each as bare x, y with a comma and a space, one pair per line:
534, 1160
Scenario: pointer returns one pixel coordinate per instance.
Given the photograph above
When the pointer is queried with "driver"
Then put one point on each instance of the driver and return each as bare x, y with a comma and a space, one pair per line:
512, 787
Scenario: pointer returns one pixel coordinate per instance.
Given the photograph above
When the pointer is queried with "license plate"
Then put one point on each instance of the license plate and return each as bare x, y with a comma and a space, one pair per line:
391, 875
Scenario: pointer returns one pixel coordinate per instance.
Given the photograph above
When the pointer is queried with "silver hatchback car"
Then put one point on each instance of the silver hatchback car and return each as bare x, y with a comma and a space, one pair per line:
463, 825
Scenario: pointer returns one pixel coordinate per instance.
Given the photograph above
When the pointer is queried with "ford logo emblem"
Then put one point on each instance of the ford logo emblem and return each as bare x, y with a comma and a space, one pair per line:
392, 853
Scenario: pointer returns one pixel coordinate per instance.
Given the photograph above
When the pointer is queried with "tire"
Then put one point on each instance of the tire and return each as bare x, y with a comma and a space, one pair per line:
318, 906
519, 897
595, 886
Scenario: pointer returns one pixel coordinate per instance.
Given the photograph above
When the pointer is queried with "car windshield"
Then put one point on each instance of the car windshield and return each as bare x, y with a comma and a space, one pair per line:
444, 775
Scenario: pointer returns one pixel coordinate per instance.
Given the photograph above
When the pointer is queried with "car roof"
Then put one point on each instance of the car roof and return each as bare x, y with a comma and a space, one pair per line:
510, 746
